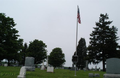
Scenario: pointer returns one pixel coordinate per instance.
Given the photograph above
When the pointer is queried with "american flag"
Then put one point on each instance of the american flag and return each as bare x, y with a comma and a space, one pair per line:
78, 16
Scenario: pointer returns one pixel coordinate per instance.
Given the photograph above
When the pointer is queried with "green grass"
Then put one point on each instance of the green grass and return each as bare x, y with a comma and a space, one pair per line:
13, 72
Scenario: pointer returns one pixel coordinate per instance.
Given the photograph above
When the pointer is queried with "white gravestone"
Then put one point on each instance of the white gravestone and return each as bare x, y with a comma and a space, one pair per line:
5, 64
43, 67
47, 62
112, 68
86, 65
22, 72
29, 63
50, 69
95, 68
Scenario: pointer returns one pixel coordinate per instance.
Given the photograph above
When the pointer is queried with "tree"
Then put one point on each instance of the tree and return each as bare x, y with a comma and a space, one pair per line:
37, 50
103, 41
81, 52
23, 53
9, 42
56, 58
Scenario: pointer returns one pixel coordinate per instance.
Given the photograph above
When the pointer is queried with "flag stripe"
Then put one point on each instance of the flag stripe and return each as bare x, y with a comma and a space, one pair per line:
78, 16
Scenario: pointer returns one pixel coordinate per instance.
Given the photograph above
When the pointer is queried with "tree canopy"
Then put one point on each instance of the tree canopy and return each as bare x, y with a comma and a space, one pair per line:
9, 42
56, 57
37, 50
103, 41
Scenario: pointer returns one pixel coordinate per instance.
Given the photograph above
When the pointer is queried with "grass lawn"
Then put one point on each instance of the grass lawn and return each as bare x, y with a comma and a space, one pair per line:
13, 72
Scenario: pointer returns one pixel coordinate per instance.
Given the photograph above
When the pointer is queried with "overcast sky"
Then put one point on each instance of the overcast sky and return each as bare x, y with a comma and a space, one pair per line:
54, 21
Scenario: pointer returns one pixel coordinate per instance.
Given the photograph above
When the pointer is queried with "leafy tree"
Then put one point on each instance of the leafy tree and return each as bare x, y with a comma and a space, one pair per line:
56, 58
9, 42
103, 41
37, 50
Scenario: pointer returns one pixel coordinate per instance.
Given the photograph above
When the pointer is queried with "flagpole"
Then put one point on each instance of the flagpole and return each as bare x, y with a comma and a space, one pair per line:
76, 43
76, 40
76, 33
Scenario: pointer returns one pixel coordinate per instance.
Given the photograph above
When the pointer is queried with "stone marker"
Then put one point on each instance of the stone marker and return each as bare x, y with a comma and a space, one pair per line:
47, 62
50, 69
112, 68
5, 64
29, 63
96, 75
86, 65
99, 69
111, 76
95, 68
22, 72
84, 69
91, 75
73, 67
43, 67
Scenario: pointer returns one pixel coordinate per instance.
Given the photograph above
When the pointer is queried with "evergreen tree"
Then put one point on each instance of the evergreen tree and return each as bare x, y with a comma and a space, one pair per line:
81, 52
23, 54
103, 41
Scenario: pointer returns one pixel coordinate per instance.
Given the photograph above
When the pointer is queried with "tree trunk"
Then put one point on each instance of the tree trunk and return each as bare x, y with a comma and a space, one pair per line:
103, 65
104, 62
103, 54
8, 62
24, 60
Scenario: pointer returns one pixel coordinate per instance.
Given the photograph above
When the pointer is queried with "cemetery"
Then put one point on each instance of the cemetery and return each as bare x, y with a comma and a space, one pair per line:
48, 71
45, 71
13, 72
18, 59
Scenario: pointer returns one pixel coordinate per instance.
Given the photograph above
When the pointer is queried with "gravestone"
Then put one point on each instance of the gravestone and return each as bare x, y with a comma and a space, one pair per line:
22, 72
96, 75
43, 67
99, 69
50, 69
95, 68
86, 65
112, 68
73, 67
47, 62
29, 63
38, 66
91, 75
84, 69
5, 65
